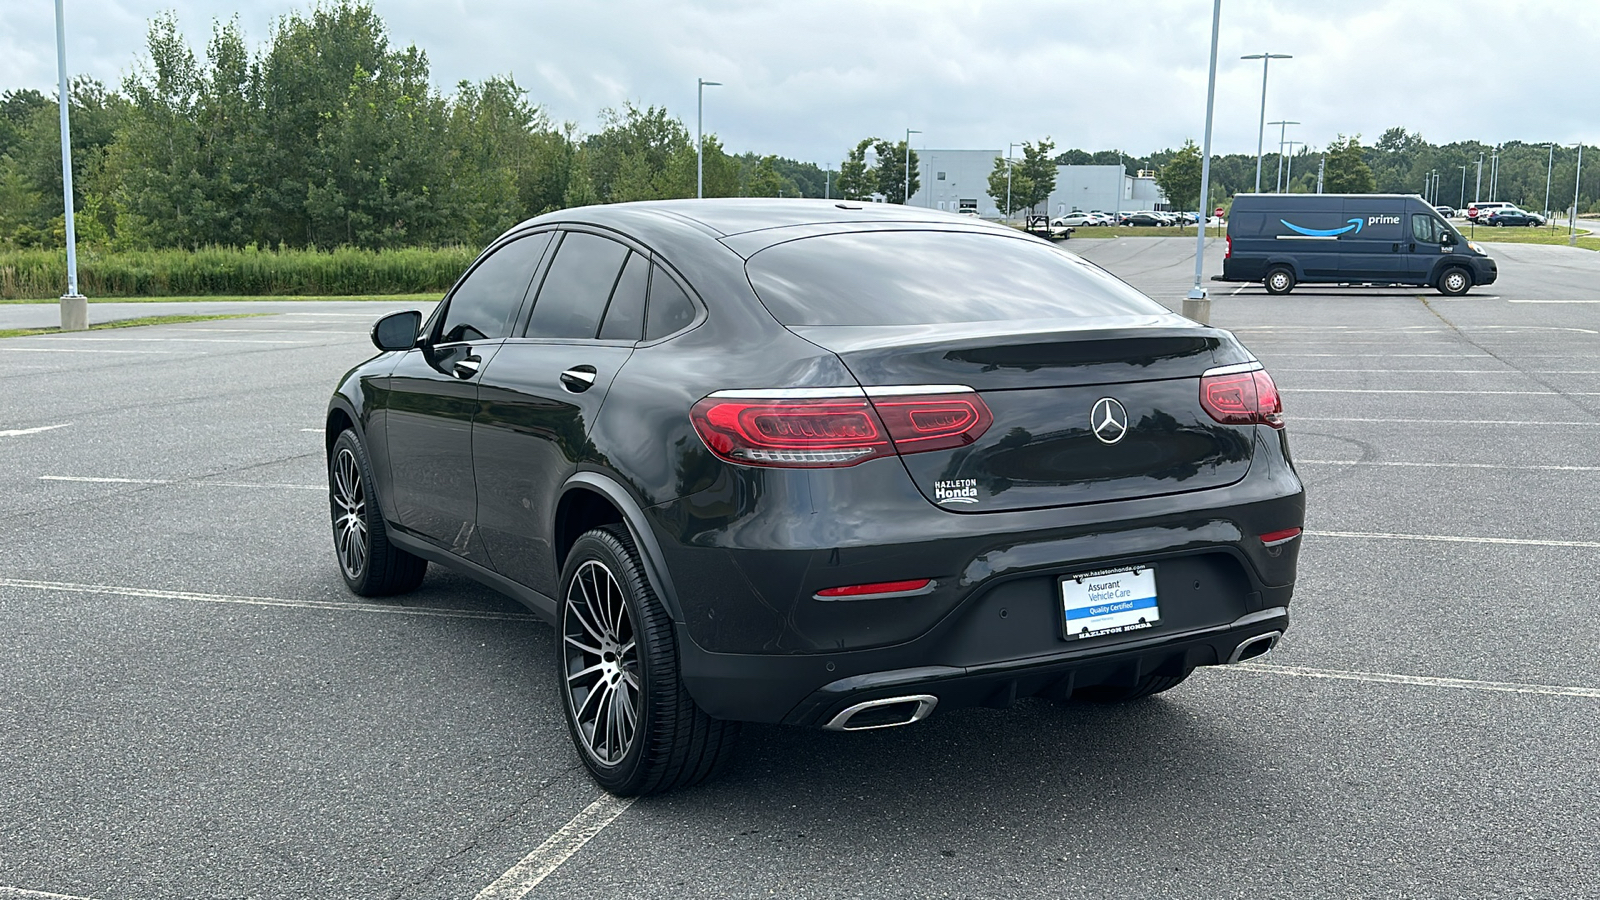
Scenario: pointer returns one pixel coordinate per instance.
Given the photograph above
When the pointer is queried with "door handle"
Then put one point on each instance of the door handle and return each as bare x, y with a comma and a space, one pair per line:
578, 379
467, 367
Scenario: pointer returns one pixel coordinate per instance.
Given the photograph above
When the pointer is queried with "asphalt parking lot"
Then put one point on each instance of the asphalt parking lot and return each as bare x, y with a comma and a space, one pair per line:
192, 706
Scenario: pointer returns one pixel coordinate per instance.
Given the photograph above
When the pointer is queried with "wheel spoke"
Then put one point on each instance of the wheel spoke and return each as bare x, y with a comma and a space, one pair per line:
585, 671
574, 642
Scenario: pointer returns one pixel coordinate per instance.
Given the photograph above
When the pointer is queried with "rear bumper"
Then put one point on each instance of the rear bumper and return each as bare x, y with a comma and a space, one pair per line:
999, 684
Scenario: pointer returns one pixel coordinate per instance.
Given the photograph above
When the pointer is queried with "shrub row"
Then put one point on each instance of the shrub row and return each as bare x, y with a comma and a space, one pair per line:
42, 274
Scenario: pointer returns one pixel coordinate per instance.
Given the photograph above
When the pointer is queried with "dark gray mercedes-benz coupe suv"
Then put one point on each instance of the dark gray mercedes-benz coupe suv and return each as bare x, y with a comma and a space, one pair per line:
836, 465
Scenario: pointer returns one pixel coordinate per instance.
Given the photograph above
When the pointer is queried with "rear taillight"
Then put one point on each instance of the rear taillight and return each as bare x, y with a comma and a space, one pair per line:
825, 429
1235, 397
1229, 253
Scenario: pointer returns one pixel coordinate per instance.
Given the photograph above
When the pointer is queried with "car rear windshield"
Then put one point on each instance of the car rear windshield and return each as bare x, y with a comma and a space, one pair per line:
933, 278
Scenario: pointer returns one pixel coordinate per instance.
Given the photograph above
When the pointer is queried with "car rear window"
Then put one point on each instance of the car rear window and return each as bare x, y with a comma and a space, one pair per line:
933, 278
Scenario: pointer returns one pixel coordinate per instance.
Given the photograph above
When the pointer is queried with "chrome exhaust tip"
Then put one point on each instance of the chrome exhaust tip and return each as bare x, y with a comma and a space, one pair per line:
1260, 645
890, 712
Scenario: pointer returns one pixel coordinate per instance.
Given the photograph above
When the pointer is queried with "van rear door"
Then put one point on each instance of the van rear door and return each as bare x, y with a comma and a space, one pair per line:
1373, 250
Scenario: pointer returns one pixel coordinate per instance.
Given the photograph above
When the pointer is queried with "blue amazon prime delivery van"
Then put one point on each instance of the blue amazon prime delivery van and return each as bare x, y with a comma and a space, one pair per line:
1282, 240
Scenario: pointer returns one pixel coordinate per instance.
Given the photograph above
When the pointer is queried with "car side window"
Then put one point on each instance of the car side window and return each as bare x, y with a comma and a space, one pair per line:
1424, 228
670, 308
482, 306
577, 287
625, 316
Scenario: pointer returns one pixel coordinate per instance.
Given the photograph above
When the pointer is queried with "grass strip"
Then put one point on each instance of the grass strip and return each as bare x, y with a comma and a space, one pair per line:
1557, 237
129, 323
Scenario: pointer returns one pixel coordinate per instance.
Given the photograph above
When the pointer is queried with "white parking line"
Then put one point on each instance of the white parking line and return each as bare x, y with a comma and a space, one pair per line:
1453, 539
1521, 422
76, 350
557, 849
196, 482
1432, 391
1451, 372
8, 893
1443, 465
1509, 687
19, 432
337, 606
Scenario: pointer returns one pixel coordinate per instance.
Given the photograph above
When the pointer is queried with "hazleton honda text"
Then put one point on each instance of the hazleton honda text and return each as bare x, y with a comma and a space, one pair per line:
831, 465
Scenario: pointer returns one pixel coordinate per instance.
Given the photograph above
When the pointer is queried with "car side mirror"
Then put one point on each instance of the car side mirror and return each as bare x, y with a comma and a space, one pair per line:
397, 331
1447, 239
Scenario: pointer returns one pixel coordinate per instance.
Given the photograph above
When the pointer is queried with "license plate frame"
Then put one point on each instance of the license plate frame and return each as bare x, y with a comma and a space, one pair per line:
1108, 601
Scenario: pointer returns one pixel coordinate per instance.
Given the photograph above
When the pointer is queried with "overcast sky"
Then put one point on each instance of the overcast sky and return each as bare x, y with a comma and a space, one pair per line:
807, 79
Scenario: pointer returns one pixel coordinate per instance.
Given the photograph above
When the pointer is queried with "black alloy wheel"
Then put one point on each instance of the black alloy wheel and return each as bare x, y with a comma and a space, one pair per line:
370, 565
1280, 280
1454, 282
635, 726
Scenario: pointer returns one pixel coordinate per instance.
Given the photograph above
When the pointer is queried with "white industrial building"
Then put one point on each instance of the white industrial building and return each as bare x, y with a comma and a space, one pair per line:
954, 180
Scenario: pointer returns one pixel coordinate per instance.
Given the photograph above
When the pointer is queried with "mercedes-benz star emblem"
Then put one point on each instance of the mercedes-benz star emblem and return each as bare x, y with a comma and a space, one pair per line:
1108, 420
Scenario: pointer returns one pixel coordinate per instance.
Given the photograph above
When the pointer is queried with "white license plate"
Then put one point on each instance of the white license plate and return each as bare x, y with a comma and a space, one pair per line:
1102, 603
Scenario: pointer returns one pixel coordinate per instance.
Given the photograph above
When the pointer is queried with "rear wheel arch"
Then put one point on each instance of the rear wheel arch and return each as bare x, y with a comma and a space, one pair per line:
592, 499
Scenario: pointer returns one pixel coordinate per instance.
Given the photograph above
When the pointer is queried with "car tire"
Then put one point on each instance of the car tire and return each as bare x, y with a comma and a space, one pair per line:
1279, 280
370, 565
1454, 282
631, 720
1147, 686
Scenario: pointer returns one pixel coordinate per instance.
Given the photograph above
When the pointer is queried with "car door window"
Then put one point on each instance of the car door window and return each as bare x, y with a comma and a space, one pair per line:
670, 308
577, 287
482, 306
1424, 228
625, 316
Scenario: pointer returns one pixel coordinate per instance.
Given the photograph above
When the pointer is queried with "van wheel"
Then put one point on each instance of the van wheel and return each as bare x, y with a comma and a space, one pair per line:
1454, 282
1280, 280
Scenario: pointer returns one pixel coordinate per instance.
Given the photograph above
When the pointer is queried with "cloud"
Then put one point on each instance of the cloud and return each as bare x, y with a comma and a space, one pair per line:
808, 79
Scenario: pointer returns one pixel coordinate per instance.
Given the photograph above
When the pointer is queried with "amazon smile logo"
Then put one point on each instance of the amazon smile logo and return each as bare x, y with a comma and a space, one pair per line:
1353, 228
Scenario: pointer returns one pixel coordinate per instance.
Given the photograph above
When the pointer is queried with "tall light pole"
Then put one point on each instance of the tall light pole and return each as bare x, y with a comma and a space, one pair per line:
1289, 171
1494, 175
1550, 168
1009, 148
699, 135
1261, 132
1477, 186
906, 200
1464, 191
74, 307
1195, 305
1578, 180
1282, 131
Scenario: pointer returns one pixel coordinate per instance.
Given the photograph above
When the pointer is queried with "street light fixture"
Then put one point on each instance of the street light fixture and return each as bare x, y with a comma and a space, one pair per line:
1289, 174
699, 135
1261, 132
1009, 148
906, 200
1282, 130
1195, 305
1577, 182
74, 307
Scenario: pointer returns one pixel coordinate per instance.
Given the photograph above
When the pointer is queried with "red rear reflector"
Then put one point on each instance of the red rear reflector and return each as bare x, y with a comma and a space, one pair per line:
1242, 398
882, 587
832, 432
1273, 538
1229, 254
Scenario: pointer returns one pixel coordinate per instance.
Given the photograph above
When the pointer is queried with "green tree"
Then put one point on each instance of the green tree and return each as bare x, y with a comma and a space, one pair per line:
890, 174
1347, 172
1013, 194
1179, 178
1038, 171
765, 180
856, 180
